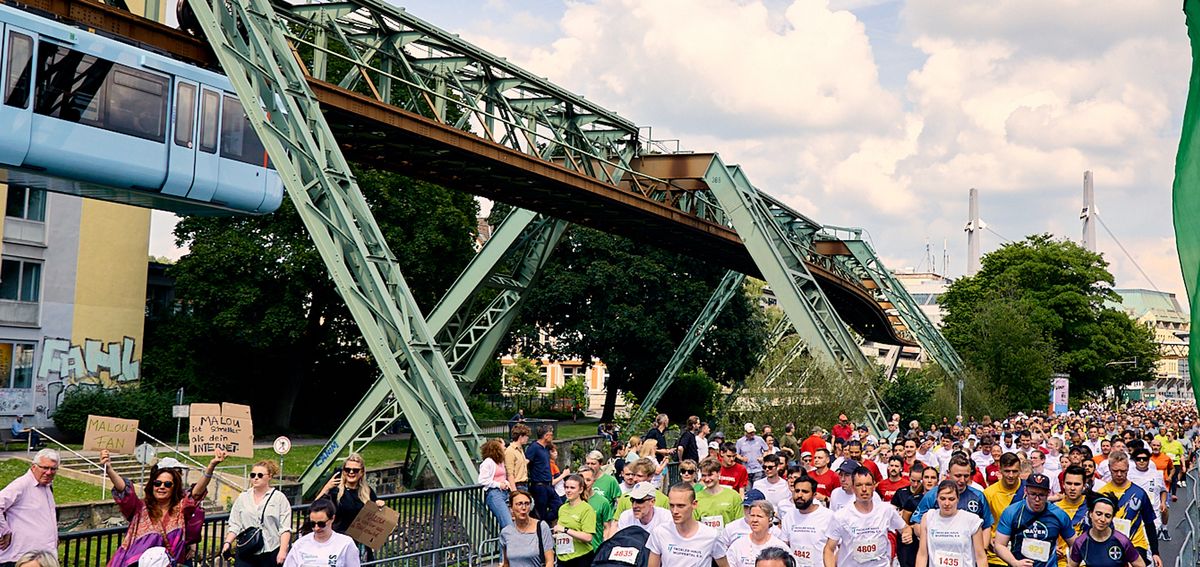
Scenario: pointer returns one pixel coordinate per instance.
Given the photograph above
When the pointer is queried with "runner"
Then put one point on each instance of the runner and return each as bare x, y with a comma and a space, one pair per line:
644, 513
895, 480
1008, 490
744, 551
685, 542
1102, 546
953, 537
858, 534
803, 526
772, 485
1032, 527
717, 504
1135, 511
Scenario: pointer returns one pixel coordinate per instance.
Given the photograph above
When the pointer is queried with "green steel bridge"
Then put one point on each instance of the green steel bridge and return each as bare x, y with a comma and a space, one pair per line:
327, 82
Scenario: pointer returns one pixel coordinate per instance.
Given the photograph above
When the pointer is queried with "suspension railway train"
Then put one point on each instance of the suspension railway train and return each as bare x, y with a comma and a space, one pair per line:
92, 116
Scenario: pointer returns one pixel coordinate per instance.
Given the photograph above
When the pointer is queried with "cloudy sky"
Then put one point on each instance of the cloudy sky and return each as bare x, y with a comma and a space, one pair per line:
883, 113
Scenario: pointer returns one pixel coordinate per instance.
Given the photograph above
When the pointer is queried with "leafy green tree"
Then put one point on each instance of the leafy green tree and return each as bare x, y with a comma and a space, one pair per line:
263, 322
523, 377
574, 390
1036, 307
629, 305
692, 393
909, 392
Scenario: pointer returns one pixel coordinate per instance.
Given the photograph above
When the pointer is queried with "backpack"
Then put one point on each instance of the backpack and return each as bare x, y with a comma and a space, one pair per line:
626, 548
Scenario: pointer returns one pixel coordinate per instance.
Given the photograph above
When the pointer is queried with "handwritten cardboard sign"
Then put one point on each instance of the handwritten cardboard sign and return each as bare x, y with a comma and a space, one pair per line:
112, 433
373, 524
220, 426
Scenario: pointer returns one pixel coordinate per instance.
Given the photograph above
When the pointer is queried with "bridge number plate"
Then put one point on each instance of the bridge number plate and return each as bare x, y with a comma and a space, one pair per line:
282, 445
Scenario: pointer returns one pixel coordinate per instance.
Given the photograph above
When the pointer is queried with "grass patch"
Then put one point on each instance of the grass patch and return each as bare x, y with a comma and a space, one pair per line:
376, 454
66, 490
574, 430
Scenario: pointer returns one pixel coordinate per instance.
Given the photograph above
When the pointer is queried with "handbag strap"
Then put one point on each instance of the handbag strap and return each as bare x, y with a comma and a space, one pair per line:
266, 502
541, 544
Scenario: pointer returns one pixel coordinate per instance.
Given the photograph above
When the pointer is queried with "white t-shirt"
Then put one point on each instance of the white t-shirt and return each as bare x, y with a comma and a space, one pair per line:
840, 498
950, 540
863, 538
676, 551
982, 460
701, 448
744, 552
338, 551
661, 517
734, 531
775, 492
805, 534
1151, 481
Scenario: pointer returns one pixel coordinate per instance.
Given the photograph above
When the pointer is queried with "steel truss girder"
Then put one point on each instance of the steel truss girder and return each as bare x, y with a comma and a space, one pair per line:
249, 41
730, 285
525, 240
906, 307
782, 264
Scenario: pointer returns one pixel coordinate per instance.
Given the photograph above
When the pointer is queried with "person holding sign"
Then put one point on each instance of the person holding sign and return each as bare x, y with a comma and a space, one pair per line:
162, 518
952, 537
348, 490
266, 509
576, 526
1102, 546
323, 547
1032, 527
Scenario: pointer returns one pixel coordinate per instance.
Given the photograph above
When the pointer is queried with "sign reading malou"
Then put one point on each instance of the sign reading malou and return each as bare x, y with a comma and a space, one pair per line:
112, 433
220, 426
373, 524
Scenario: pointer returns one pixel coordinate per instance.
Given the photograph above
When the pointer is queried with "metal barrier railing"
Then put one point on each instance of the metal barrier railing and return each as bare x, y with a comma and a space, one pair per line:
437, 528
1189, 548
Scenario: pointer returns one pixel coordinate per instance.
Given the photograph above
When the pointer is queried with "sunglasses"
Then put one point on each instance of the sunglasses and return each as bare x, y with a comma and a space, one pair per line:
351, 470
162, 483
1141, 458
641, 501
321, 524
687, 471
50, 469
257, 475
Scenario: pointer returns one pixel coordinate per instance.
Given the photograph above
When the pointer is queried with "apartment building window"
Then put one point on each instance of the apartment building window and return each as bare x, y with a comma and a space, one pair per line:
20, 280
26, 203
16, 364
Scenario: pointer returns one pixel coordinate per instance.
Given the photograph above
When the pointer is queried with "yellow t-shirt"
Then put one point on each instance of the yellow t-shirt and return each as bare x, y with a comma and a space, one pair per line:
1076, 514
1132, 512
998, 498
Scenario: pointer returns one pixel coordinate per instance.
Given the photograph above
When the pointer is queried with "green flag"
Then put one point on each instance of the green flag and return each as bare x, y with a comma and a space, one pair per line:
1186, 191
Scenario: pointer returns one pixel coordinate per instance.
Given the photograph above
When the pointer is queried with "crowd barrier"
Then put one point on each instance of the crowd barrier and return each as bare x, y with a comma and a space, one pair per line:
1189, 548
438, 528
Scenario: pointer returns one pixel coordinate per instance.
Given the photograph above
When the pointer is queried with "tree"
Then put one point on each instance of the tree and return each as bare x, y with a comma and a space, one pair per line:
523, 377
629, 305
1037, 307
262, 322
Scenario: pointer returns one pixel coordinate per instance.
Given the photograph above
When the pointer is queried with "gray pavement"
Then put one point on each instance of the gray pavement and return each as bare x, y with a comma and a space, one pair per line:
1178, 523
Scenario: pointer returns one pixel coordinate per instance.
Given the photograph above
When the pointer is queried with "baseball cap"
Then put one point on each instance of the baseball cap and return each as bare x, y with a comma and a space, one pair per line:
848, 466
714, 445
642, 491
805, 454
749, 427
1037, 480
753, 495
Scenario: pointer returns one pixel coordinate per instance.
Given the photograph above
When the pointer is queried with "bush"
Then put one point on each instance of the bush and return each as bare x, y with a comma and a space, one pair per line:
152, 410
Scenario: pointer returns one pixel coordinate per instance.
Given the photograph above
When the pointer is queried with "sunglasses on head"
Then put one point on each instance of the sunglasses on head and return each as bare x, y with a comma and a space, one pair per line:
257, 475
162, 483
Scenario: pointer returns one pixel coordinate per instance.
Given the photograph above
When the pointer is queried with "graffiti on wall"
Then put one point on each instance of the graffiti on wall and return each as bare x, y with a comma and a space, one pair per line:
93, 362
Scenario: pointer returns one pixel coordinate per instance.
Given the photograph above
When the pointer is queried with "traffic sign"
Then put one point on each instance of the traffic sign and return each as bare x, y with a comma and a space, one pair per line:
144, 453
180, 411
282, 445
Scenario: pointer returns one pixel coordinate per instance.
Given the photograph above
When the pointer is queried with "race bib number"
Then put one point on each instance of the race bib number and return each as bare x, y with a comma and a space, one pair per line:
804, 556
564, 544
624, 555
867, 552
1035, 549
947, 559
713, 521
1123, 525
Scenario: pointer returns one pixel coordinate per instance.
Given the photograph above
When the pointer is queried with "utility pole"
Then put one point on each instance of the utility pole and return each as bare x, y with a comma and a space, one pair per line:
974, 225
1089, 211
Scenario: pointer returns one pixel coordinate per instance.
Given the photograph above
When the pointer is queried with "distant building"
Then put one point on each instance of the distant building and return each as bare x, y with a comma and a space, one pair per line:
1161, 312
555, 373
925, 288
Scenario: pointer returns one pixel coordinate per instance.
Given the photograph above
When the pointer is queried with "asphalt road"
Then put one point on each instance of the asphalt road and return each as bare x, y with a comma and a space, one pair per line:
1178, 523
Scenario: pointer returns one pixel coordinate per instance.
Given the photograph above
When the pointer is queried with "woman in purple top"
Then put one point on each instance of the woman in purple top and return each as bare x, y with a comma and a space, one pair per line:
1103, 546
165, 517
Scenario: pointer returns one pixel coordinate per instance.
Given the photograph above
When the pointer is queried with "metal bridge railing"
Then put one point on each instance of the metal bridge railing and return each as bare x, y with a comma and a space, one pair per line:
1189, 548
437, 528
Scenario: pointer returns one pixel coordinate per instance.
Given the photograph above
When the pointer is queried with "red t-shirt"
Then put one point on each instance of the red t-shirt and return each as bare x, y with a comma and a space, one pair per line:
811, 445
993, 474
978, 478
887, 489
826, 483
734, 477
842, 431
874, 468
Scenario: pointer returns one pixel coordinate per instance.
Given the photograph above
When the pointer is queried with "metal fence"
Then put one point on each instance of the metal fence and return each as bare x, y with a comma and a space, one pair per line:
1189, 548
437, 528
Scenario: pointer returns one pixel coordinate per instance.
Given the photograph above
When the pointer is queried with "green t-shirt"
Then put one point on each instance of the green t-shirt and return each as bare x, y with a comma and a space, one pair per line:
604, 514
723, 507
580, 517
623, 503
608, 487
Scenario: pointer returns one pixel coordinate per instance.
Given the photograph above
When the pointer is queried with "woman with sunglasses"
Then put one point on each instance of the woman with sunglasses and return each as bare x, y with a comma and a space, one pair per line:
323, 546
689, 472
526, 542
348, 490
164, 518
263, 507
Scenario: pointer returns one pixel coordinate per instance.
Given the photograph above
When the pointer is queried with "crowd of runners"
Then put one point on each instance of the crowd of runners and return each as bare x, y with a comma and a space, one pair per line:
1090, 487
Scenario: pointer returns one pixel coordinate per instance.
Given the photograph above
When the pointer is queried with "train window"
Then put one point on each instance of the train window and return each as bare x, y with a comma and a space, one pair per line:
77, 87
238, 140
20, 69
211, 103
185, 114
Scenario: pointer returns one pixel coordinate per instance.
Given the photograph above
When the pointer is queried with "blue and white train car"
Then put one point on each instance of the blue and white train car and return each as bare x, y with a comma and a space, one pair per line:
92, 116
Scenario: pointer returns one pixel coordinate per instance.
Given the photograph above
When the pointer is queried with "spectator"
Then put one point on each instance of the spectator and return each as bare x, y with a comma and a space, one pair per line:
750, 450
28, 517
261, 506
647, 452
658, 434
515, 463
37, 559
492, 475
843, 430
521, 540
685, 448
517, 419
348, 490
19, 431
702, 441
541, 480
163, 518
323, 546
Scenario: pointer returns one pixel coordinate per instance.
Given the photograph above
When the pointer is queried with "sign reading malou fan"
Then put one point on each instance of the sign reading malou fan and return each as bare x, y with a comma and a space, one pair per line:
112, 433
228, 427
373, 524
